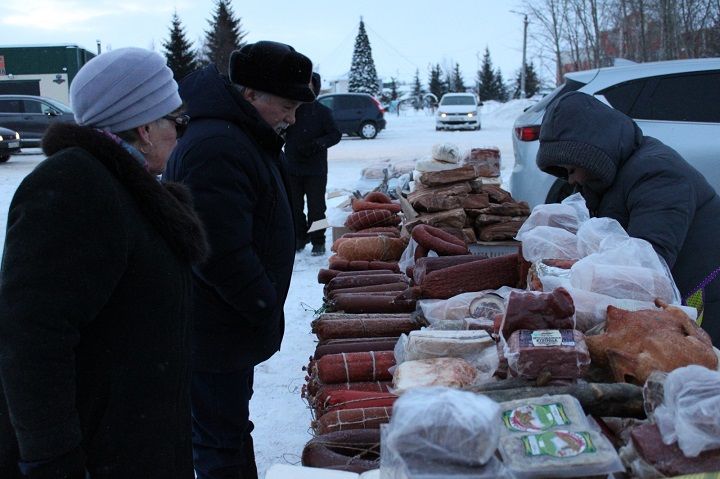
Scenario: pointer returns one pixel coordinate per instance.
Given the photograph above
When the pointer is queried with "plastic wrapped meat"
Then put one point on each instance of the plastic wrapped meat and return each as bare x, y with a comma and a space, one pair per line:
560, 352
450, 372
637, 343
530, 310
427, 344
559, 453
535, 415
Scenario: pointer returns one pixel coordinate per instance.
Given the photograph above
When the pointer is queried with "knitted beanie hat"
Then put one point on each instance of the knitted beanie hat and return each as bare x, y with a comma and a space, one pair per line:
123, 89
274, 68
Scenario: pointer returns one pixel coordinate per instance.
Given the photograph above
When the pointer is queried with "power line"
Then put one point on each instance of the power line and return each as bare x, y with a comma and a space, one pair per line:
414, 65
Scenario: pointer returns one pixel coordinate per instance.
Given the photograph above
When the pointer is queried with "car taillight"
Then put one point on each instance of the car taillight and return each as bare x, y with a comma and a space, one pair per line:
378, 105
528, 133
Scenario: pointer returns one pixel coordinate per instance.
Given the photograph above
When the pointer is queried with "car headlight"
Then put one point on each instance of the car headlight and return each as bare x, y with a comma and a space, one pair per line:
471, 114
1, 138
443, 115
17, 135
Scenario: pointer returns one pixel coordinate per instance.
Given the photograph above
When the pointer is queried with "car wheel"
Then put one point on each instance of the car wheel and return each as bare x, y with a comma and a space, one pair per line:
4, 158
437, 128
560, 190
368, 130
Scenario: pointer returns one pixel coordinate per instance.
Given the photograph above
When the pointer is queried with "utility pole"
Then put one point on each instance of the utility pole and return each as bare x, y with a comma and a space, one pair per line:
522, 72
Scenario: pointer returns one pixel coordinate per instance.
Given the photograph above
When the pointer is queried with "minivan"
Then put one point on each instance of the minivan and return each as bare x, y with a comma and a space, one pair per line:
458, 111
356, 114
31, 115
674, 101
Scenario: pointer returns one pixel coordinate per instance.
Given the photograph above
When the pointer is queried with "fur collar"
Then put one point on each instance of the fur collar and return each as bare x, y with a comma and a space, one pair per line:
167, 206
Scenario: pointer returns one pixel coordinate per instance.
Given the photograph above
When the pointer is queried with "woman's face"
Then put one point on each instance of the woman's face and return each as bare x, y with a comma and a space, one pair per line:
576, 176
163, 137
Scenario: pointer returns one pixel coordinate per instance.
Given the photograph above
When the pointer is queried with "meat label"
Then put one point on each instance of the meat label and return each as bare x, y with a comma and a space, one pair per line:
558, 444
535, 417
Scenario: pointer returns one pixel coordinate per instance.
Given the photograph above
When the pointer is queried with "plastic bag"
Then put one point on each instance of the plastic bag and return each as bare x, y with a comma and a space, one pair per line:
598, 234
444, 425
568, 215
446, 152
407, 258
548, 242
690, 413
478, 304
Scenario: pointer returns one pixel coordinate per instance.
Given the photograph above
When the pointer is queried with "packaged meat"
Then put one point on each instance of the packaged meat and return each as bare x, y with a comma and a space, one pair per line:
568, 215
481, 304
443, 424
450, 372
531, 310
535, 415
559, 453
561, 353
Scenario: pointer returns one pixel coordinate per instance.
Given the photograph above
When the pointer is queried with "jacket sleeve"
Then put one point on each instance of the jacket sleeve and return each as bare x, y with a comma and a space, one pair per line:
661, 207
224, 184
332, 134
64, 253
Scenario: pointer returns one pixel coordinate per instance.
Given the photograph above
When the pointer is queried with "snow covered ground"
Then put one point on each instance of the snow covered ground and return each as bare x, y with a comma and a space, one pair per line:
282, 419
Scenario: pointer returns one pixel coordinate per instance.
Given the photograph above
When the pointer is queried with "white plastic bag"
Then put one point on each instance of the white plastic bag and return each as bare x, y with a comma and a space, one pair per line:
407, 258
446, 153
690, 413
548, 242
598, 234
568, 215
445, 425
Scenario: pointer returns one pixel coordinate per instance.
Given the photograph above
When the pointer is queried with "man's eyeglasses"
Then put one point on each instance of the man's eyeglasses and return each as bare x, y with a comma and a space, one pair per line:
181, 123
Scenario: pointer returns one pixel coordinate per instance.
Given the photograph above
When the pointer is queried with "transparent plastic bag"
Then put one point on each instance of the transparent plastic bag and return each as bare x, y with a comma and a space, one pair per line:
568, 215
444, 425
690, 413
407, 258
446, 153
476, 304
598, 234
548, 242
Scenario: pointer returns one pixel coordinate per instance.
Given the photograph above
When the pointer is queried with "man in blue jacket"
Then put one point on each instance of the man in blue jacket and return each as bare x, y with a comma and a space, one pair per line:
306, 147
643, 184
230, 158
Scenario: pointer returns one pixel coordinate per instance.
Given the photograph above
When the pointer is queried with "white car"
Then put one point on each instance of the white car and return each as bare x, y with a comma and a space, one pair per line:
457, 111
675, 101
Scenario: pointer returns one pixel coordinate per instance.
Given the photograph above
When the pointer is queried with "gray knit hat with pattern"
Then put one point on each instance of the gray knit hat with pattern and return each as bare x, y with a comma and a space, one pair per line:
123, 89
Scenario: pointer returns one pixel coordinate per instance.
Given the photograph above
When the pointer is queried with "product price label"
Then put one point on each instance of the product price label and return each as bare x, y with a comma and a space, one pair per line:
558, 444
535, 417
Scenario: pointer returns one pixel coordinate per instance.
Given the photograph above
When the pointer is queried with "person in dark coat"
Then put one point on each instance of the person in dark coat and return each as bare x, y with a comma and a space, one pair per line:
230, 159
643, 184
306, 146
95, 288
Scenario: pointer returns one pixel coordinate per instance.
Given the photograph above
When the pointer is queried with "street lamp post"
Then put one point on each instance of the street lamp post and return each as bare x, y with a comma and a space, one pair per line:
522, 72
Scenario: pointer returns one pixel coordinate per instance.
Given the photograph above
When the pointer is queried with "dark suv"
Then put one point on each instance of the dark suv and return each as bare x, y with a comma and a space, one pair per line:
356, 114
31, 115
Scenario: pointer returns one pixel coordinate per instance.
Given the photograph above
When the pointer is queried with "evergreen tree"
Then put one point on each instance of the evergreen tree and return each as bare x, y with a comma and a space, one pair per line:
486, 79
436, 85
224, 36
393, 89
449, 83
178, 50
363, 77
417, 91
532, 82
501, 90
457, 80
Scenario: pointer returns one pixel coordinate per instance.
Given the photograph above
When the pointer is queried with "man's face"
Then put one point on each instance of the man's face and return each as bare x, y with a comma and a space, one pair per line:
277, 112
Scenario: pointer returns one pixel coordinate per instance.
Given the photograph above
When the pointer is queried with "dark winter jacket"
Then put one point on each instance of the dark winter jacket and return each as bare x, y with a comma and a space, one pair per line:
95, 317
230, 159
308, 140
643, 184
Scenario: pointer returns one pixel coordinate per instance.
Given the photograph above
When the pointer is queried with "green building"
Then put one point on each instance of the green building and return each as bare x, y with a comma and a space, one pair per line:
46, 70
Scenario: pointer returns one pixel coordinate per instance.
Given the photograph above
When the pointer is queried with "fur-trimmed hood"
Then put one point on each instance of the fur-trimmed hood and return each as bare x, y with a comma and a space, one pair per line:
167, 206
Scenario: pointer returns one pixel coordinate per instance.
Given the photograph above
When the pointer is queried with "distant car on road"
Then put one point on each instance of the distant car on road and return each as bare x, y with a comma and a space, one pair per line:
458, 111
674, 101
356, 114
31, 115
9, 143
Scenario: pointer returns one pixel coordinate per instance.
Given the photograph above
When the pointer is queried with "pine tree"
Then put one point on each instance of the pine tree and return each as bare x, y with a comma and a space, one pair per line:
532, 82
449, 83
417, 91
363, 77
486, 79
457, 81
224, 36
435, 84
178, 50
501, 91
393, 89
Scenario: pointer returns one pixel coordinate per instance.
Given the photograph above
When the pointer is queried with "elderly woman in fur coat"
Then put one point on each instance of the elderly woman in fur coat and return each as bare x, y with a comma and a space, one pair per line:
94, 318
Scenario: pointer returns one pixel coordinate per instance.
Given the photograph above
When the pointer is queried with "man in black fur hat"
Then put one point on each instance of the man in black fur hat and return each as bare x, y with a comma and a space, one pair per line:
306, 149
230, 158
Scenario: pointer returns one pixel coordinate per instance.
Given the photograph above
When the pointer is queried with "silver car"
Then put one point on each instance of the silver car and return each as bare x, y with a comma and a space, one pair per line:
677, 102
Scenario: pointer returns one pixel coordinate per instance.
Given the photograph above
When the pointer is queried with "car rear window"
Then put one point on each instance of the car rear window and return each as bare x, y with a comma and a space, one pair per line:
623, 96
684, 97
458, 100
569, 85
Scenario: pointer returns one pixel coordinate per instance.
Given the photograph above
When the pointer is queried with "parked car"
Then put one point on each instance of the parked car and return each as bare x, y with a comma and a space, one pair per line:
674, 101
9, 143
356, 114
31, 115
458, 111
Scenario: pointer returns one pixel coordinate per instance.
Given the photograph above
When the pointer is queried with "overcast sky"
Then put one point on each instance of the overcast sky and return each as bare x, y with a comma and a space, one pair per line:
404, 34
